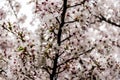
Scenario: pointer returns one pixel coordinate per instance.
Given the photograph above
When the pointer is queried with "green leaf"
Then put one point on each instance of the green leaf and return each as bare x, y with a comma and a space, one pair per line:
20, 48
9, 25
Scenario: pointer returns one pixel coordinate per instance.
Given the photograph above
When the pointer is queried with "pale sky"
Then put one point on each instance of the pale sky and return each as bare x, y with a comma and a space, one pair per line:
26, 9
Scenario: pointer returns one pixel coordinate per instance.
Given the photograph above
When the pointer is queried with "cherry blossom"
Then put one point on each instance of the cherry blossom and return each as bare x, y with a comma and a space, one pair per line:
71, 40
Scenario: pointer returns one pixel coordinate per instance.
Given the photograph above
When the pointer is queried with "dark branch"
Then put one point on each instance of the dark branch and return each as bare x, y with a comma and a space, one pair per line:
68, 60
96, 63
102, 18
1, 70
77, 4
61, 53
10, 3
46, 69
62, 22
62, 70
57, 20
67, 38
53, 75
71, 21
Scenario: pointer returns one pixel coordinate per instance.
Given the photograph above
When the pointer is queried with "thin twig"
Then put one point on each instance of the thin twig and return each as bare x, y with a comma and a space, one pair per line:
68, 60
71, 21
77, 4
12, 8
102, 18
66, 38
46, 69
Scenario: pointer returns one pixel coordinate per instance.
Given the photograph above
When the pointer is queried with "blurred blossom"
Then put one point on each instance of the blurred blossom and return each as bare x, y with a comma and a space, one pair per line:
2, 14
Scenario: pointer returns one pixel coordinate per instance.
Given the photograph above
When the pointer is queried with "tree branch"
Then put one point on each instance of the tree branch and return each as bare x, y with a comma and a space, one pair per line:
10, 3
67, 38
71, 21
46, 69
53, 75
102, 18
77, 4
62, 22
57, 20
68, 60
